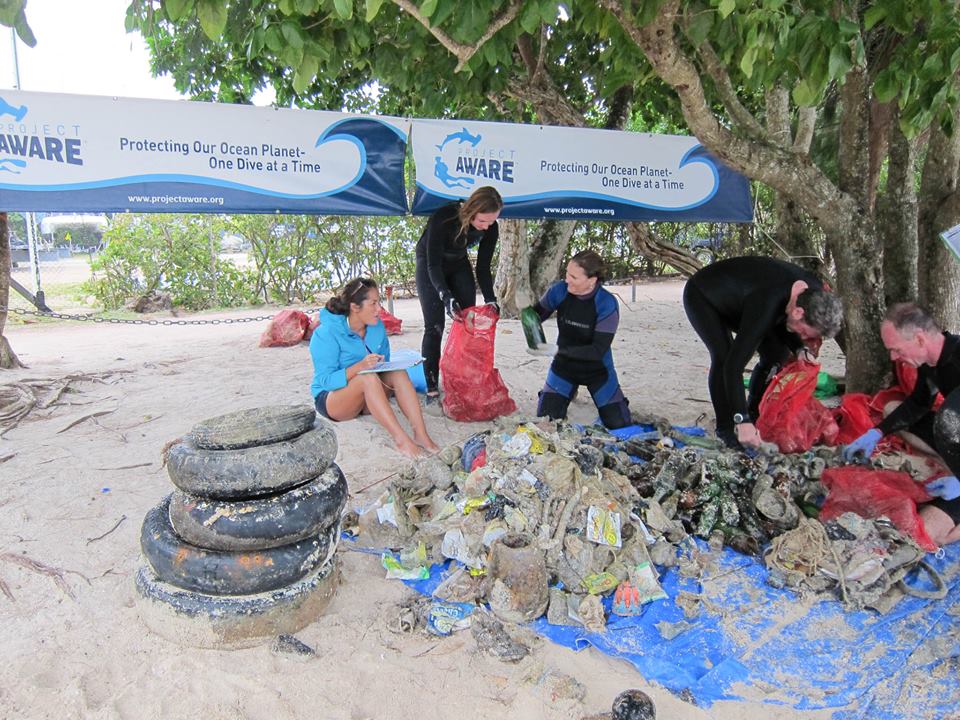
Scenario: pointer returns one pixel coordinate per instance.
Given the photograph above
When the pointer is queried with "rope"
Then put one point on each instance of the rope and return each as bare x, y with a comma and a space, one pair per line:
801, 550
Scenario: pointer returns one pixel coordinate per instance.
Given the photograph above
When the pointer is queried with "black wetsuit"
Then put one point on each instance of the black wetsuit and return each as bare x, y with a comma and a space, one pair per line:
940, 429
443, 271
586, 325
747, 296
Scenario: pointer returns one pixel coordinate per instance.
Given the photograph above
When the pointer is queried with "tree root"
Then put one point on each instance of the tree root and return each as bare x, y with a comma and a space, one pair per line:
43, 569
19, 399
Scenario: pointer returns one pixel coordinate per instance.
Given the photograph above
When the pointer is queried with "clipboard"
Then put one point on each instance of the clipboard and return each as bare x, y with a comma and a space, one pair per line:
401, 359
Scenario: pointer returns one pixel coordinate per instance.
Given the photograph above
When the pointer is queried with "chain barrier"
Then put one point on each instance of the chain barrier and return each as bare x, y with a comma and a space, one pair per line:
120, 321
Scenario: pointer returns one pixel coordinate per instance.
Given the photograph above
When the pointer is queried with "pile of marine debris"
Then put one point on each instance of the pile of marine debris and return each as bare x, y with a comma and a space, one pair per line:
586, 513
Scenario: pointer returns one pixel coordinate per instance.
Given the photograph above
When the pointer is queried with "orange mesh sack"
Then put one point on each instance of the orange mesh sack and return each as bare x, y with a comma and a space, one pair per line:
287, 328
871, 493
392, 324
790, 416
472, 387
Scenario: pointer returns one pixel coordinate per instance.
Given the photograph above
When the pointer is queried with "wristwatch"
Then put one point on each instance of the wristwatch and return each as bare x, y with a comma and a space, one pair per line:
740, 418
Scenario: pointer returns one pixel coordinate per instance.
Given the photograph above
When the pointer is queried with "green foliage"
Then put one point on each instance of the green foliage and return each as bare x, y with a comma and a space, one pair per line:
175, 253
13, 14
292, 258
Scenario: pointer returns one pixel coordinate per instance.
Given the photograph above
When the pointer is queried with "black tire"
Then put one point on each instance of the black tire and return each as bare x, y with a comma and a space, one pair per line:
190, 618
252, 472
253, 427
218, 572
261, 523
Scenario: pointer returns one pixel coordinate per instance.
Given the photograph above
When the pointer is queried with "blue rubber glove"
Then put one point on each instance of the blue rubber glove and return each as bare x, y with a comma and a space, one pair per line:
861, 448
946, 487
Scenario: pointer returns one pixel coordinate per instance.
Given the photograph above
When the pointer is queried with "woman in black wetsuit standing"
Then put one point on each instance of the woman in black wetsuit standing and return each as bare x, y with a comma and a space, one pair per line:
445, 280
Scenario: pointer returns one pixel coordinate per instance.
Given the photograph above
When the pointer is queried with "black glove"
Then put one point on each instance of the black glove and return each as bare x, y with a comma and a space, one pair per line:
452, 307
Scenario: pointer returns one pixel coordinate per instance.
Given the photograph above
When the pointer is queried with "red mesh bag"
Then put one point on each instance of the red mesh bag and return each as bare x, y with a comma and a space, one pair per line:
314, 324
472, 387
789, 414
854, 417
871, 493
391, 322
287, 328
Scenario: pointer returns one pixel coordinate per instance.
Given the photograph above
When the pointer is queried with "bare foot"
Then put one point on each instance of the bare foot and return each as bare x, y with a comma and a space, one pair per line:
427, 444
407, 447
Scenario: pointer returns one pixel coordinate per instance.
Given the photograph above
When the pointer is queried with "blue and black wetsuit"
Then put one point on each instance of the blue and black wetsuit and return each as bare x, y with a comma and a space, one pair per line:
586, 324
443, 270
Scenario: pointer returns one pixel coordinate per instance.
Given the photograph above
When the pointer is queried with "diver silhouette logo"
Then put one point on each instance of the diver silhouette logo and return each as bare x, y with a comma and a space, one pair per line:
17, 113
462, 136
442, 172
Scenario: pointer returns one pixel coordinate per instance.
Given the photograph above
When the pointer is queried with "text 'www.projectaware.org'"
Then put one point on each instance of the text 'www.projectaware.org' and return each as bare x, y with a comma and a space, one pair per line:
580, 211
175, 199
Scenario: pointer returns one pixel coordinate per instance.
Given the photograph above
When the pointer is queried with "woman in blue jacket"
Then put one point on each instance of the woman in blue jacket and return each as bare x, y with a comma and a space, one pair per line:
352, 338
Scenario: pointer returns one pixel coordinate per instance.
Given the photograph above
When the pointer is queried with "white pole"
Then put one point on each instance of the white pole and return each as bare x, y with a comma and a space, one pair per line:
28, 217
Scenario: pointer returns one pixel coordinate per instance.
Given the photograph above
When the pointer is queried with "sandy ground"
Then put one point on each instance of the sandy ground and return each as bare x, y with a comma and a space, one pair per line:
80, 650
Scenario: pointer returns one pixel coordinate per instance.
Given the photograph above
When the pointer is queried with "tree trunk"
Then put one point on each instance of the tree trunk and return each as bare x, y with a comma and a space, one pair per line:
644, 242
512, 283
793, 235
8, 358
938, 280
549, 247
898, 214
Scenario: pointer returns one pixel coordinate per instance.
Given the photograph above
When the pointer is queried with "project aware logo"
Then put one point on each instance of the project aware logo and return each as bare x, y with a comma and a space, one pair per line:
19, 140
473, 162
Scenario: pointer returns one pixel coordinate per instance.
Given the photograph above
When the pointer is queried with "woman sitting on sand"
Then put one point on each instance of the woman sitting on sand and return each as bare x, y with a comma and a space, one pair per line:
351, 338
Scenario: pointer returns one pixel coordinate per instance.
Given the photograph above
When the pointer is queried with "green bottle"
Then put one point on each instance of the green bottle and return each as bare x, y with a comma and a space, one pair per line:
532, 329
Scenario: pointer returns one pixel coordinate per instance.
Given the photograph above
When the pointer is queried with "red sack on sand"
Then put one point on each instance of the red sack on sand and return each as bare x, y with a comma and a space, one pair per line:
789, 414
314, 324
391, 322
473, 389
871, 493
287, 328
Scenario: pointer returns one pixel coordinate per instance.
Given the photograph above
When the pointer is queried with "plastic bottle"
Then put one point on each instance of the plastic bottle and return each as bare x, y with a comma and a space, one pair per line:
532, 328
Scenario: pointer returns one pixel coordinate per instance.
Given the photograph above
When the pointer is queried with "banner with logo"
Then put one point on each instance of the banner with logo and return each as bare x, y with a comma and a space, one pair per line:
80, 153
576, 173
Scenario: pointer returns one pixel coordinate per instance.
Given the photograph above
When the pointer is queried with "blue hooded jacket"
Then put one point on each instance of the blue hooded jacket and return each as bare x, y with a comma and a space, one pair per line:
334, 347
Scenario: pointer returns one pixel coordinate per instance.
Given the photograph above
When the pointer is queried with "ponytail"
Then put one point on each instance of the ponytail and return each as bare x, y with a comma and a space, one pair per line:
353, 293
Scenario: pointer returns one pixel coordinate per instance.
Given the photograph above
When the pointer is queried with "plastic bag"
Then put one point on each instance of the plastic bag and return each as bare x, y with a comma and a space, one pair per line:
871, 493
789, 414
472, 388
287, 328
392, 324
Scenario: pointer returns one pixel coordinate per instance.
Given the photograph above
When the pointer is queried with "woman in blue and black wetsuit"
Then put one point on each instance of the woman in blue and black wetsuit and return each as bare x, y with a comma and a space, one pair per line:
587, 319
445, 282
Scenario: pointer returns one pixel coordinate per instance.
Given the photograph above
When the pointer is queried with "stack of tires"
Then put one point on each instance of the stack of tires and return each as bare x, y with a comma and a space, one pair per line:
243, 550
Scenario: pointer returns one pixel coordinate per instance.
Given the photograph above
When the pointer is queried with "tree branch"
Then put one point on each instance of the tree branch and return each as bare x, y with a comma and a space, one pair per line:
806, 123
551, 106
778, 167
462, 52
728, 95
525, 47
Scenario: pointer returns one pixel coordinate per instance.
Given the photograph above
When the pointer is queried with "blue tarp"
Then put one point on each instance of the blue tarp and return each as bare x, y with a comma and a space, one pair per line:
750, 639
